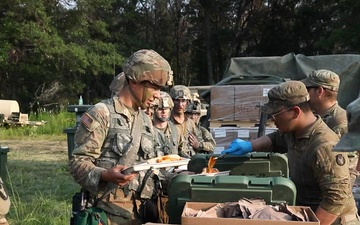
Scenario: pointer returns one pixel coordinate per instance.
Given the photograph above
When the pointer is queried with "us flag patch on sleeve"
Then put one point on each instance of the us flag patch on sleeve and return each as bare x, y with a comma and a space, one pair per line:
87, 120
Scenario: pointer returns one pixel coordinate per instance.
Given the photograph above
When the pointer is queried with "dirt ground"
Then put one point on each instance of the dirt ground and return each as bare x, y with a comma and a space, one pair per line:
43, 150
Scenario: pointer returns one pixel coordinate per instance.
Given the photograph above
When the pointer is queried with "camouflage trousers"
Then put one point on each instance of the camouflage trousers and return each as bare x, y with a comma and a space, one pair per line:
125, 202
163, 208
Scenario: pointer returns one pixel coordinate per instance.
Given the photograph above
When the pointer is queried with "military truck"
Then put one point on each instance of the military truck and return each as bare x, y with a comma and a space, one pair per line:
277, 69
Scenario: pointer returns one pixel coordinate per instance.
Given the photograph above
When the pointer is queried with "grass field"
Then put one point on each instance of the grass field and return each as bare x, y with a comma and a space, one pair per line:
38, 181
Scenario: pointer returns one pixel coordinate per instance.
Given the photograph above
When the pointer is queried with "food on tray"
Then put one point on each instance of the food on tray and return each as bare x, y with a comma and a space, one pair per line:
212, 170
168, 158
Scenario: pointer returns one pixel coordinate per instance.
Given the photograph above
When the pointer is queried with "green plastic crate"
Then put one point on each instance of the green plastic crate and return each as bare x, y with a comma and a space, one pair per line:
259, 164
200, 188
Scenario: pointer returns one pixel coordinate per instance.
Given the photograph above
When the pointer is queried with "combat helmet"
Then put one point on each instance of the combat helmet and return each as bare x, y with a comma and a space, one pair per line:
164, 101
148, 65
195, 105
180, 92
117, 83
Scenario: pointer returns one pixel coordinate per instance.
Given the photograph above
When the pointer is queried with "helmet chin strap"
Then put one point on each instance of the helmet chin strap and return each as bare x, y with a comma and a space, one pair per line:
141, 104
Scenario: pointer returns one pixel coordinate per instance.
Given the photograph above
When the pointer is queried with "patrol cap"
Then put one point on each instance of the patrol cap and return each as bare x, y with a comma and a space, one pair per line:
349, 142
117, 83
164, 101
148, 65
290, 93
180, 92
324, 78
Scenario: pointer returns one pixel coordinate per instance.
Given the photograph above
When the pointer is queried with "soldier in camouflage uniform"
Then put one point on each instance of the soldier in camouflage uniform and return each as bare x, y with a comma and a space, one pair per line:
193, 112
4, 203
323, 86
190, 135
350, 141
166, 132
116, 86
115, 133
321, 176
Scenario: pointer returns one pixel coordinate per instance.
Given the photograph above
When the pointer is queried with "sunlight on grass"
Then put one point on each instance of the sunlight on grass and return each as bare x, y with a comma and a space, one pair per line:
55, 124
38, 181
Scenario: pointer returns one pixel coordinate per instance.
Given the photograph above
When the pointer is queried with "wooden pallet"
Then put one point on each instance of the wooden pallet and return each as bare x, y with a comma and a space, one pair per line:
239, 123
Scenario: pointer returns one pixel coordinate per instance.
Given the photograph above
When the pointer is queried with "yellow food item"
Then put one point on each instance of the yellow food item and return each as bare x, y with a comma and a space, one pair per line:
212, 170
167, 158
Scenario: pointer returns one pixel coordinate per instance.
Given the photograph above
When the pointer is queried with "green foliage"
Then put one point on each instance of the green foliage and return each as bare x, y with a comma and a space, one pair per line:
53, 53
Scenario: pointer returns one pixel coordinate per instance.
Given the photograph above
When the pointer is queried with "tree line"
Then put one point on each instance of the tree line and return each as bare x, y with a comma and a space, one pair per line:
53, 51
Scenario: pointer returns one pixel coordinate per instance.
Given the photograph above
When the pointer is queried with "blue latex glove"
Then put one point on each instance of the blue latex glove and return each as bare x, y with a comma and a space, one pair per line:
238, 147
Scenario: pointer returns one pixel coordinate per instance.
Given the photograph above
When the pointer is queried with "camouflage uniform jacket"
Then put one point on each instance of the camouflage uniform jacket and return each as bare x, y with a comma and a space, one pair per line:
336, 119
208, 144
168, 139
321, 176
184, 129
102, 140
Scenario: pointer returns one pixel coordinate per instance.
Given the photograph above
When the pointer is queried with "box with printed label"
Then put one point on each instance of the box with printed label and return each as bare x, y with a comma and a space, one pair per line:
225, 135
313, 220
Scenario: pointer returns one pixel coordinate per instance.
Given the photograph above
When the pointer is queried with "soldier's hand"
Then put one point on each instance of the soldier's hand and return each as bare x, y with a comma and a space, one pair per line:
238, 147
194, 142
114, 175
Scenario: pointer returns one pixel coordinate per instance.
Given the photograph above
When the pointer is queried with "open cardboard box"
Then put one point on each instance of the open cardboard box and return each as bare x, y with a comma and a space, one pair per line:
236, 221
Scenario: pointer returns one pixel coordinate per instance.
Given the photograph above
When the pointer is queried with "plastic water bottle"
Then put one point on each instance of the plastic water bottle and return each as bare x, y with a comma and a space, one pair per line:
81, 100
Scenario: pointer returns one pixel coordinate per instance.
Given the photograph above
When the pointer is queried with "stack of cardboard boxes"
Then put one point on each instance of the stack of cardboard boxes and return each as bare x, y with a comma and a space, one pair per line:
235, 113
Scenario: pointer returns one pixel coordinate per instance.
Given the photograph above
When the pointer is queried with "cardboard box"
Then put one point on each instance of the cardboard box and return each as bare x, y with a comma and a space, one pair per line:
248, 98
237, 102
225, 135
222, 105
237, 221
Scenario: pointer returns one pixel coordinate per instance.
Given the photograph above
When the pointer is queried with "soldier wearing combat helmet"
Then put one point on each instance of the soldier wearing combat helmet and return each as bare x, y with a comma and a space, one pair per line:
166, 132
115, 133
190, 135
193, 112
321, 176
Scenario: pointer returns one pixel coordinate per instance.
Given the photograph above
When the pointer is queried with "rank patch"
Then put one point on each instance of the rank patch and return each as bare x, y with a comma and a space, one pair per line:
340, 160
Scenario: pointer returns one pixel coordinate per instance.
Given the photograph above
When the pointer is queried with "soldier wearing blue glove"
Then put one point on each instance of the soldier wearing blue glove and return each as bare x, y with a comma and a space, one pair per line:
321, 176
238, 147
